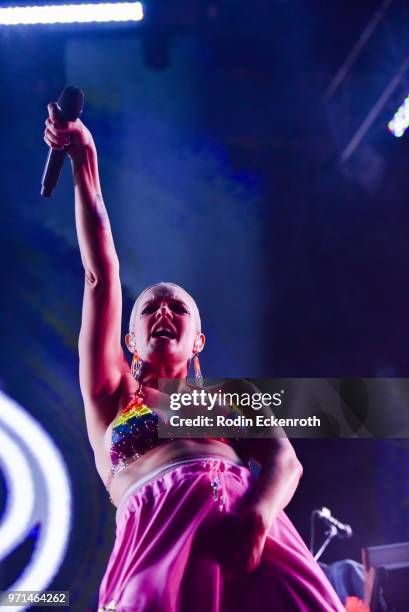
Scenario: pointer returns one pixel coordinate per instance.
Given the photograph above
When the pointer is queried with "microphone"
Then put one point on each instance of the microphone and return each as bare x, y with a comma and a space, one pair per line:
343, 531
69, 108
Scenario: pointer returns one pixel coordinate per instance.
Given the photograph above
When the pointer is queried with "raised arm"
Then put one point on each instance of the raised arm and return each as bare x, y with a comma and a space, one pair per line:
102, 362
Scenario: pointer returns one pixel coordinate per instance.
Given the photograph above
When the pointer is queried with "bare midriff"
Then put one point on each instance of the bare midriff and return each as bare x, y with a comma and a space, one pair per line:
162, 455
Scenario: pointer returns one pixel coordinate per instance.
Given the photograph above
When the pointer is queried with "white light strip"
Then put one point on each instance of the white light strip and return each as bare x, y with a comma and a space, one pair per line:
71, 13
400, 122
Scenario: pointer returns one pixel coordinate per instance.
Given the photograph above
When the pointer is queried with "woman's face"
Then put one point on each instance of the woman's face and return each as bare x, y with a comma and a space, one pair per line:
166, 326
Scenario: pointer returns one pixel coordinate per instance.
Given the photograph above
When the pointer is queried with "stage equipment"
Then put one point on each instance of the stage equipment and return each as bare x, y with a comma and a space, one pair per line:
387, 577
400, 122
335, 529
347, 578
361, 98
71, 13
362, 41
375, 110
70, 105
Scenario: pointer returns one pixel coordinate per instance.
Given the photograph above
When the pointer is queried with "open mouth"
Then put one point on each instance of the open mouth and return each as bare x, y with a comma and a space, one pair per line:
163, 332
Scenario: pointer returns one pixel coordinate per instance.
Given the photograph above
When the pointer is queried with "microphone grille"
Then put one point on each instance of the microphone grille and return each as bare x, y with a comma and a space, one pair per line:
71, 103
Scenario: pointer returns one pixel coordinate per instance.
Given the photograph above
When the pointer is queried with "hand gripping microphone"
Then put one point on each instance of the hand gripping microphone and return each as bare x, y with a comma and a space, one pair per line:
69, 108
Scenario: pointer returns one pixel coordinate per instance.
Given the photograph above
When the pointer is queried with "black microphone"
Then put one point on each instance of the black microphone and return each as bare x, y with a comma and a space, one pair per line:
344, 531
69, 108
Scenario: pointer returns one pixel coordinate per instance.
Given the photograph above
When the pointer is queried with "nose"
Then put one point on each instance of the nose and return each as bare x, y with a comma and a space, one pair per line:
164, 311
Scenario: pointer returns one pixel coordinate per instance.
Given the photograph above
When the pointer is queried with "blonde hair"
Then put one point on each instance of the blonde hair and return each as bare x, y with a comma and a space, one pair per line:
164, 284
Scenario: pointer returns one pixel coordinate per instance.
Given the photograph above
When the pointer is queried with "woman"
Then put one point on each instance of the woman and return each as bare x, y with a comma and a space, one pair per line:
195, 530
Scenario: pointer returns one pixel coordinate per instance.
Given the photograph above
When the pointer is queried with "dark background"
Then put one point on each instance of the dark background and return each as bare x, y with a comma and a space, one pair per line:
220, 166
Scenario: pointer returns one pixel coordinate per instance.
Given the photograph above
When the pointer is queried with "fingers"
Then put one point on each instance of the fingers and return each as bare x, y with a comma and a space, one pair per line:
60, 134
54, 136
59, 130
54, 119
52, 111
246, 558
61, 126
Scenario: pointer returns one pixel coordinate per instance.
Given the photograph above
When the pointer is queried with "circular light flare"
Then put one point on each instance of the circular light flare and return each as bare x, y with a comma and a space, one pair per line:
20, 502
47, 558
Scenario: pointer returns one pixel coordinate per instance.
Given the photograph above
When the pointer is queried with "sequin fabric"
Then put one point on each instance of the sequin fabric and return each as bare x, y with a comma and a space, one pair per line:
135, 432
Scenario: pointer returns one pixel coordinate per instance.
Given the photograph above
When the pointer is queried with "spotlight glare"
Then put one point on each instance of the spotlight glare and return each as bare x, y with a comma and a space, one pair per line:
20, 502
71, 13
39, 491
400, 121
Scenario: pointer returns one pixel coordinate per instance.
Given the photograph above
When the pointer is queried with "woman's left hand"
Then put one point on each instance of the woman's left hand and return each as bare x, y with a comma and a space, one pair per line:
243, 539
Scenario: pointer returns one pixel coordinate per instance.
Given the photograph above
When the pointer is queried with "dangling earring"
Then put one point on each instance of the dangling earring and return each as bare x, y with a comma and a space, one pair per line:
136, 366
137, 363
198, 372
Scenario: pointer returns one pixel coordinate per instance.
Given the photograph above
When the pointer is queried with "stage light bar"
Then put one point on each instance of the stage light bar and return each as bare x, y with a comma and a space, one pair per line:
400, 122
71, 13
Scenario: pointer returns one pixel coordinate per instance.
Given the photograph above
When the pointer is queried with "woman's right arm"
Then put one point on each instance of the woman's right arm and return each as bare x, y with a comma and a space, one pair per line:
102, 362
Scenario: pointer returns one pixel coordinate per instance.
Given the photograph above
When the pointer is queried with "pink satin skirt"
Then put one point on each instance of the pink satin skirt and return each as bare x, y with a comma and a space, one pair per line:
169, 545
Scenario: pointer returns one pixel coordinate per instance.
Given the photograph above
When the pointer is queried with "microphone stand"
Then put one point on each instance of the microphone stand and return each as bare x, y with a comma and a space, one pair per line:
331, 534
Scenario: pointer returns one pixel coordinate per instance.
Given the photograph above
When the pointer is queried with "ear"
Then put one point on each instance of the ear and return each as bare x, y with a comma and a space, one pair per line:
199, 343
130, 342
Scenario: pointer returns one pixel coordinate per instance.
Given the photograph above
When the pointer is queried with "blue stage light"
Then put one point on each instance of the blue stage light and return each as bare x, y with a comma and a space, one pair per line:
71, 13
400, 122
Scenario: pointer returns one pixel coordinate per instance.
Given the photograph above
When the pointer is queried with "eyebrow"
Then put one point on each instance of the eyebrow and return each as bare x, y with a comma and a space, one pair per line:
173, 297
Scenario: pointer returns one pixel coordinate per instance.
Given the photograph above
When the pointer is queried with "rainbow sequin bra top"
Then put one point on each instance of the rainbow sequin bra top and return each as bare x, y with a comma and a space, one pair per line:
134, 433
